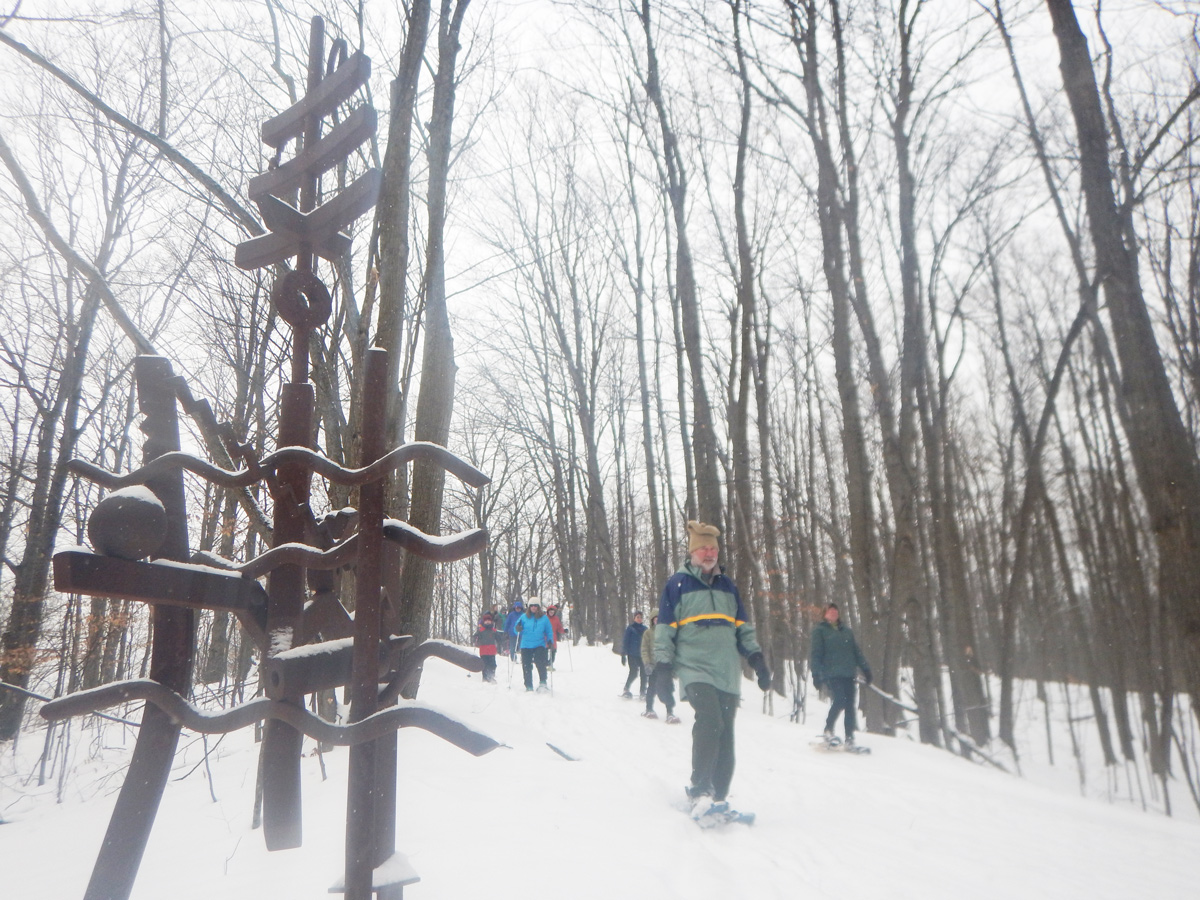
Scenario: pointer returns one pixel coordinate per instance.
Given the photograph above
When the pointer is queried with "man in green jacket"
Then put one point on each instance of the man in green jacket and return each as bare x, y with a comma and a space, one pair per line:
701, 637
835, 661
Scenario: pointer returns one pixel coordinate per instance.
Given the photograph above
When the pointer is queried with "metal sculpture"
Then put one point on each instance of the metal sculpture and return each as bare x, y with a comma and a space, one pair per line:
308, 640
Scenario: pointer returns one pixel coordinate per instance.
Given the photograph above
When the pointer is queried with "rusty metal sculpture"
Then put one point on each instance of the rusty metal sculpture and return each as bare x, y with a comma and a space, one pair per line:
308, 642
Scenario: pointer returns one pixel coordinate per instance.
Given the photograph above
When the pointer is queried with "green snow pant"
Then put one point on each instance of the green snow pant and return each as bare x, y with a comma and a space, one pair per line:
712, 739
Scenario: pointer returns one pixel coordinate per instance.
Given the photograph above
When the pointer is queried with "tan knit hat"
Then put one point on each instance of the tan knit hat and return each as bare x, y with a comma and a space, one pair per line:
701, 535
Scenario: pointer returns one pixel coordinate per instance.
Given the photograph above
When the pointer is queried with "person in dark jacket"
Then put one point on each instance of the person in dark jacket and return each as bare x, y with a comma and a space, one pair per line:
486, 639
701, 638
510, 627
648, 662
631, 653
835, 661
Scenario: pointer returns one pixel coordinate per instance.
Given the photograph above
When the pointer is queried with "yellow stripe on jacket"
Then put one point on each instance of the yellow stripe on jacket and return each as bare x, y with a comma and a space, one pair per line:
721, 616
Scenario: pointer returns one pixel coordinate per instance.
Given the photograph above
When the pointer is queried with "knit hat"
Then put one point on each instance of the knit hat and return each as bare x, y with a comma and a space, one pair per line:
701, 535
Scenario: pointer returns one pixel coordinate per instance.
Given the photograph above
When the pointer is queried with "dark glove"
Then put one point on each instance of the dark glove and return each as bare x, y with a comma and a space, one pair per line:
818, 682
663, 684
622, 659
867, 675
759, 665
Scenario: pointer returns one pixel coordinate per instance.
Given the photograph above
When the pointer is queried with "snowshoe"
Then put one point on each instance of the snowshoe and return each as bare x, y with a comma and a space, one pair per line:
626, 695
672, 719
543, 689
721, 813
649, 714
828, 741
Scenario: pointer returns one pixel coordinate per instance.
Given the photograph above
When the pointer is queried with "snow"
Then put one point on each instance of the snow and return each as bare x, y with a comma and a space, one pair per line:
906, 821
322, 648
139, 493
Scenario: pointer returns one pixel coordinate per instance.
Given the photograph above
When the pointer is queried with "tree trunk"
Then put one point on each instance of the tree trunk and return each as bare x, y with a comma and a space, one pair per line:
704, 441
435, 403
1163, 456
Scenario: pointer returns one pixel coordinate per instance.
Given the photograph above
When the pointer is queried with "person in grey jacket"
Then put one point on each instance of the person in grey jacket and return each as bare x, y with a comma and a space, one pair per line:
834, 662
701, 638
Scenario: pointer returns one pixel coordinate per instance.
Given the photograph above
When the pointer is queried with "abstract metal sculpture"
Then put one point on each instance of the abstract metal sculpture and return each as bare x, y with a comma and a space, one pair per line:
308, 643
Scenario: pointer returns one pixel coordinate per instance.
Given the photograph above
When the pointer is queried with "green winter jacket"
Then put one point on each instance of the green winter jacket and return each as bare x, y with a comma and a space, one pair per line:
835, 653
702, 630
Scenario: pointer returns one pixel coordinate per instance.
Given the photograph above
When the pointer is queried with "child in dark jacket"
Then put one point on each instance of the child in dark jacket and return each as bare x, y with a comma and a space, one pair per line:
486, 638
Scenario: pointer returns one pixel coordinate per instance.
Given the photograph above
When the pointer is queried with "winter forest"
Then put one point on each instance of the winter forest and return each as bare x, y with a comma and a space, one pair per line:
904, 295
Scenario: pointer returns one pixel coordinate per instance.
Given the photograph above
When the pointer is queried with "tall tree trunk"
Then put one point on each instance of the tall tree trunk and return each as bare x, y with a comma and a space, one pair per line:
435, 402
908, 589
1162, 453
393, 210
704, 441
747, 524
832, 218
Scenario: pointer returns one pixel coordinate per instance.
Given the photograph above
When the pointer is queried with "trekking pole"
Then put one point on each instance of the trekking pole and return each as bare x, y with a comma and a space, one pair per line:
562, 612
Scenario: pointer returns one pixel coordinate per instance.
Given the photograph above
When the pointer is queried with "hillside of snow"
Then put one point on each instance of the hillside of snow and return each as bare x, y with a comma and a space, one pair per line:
907, 821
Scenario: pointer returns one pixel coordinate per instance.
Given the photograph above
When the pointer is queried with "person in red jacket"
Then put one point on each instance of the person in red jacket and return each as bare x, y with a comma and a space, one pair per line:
556, 626
486, 639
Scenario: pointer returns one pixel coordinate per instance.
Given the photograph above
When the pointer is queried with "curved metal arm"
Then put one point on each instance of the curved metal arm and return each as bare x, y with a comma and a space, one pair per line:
183, 713
439, 549
414, 659
322, 465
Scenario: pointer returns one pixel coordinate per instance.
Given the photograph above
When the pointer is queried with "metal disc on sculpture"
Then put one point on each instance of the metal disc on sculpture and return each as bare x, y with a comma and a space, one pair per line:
130, 523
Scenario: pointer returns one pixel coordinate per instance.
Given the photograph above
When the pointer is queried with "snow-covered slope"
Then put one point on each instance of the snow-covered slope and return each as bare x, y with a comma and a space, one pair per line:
906, 821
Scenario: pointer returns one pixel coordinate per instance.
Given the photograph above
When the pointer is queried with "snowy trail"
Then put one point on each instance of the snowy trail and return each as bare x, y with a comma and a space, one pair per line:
905, 822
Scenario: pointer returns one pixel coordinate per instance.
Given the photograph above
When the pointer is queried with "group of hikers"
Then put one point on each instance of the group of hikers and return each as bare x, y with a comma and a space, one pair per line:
533, 632
700, 637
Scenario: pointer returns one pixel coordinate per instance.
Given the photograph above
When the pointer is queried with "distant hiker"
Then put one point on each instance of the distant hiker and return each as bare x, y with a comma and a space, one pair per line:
835, 661
510, 626
701, 637
557, 627
648, 662
631, 653
487, 640
535, 636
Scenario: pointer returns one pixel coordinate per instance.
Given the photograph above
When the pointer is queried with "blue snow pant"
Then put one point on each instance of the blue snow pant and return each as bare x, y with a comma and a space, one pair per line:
841, 693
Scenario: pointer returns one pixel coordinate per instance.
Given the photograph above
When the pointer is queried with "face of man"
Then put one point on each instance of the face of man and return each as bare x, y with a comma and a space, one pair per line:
705, 558
831, 615
637, 617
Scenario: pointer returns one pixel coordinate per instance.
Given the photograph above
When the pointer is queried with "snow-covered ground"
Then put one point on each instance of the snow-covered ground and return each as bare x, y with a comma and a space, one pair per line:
907, 821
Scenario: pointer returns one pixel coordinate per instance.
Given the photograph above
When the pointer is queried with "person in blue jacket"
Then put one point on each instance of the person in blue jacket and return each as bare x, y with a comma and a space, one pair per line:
631, 652
510, 626
535, 636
